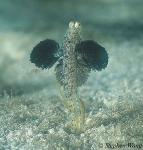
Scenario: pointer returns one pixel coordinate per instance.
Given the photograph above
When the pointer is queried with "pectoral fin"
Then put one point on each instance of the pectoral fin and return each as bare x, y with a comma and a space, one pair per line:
45, 54
94, 55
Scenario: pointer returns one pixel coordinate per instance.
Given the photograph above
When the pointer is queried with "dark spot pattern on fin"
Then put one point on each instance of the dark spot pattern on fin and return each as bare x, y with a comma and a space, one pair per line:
93, 54
82, 73
45, 54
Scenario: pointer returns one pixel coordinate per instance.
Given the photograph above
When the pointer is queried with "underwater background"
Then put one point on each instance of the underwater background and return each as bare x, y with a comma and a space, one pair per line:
32, 116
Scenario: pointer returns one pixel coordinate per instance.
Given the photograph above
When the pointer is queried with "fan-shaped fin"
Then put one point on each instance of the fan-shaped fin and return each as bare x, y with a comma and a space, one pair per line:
45, 54
82, 73
93, 54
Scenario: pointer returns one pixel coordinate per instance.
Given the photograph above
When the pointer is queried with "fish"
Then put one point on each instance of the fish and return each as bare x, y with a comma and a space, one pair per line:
70, 71
75, 58
73, 62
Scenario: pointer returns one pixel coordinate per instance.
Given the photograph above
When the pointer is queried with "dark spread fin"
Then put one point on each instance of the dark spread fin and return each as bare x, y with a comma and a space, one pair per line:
82, 73
45, 54
93, 54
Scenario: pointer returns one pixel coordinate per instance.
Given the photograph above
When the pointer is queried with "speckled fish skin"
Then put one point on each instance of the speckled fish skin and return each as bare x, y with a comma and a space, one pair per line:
72, 38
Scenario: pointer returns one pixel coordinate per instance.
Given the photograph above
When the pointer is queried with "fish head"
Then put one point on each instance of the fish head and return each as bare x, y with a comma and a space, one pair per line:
74, 31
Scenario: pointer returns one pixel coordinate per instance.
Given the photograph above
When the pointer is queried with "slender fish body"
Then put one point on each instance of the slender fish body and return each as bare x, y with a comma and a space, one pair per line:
76, 58
70, 67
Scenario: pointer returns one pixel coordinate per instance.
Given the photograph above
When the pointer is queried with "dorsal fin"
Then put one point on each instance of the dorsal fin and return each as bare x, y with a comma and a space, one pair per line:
45, 54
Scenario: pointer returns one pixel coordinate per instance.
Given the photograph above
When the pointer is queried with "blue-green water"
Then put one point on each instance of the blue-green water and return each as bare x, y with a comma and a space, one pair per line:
31, 113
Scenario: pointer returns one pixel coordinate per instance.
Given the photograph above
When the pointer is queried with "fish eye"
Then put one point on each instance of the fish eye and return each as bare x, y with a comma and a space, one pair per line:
71, 24
77, 25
